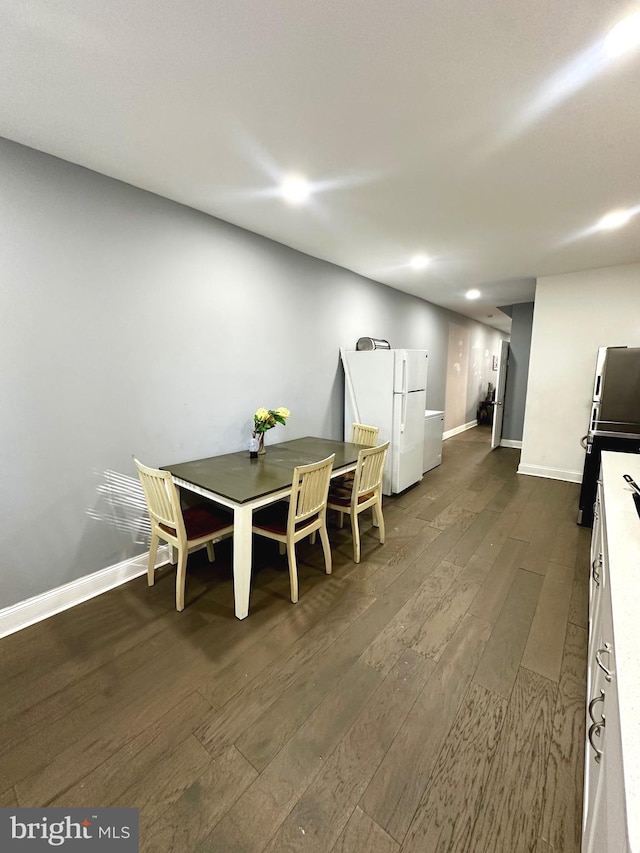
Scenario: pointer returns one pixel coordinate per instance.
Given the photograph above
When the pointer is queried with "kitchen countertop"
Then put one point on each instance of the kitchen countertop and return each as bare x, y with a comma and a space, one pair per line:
623, 547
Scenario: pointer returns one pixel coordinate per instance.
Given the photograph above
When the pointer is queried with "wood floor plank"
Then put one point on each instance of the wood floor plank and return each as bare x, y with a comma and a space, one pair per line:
561, 825
362, 833
400, 781
479, 501
125, 626
528, 521
499, 664
509, 815
100, 766
37, 739
491, 596
545, 644
565, 543
455, 511
256, 816
191, 817
164, 780
447, 813
579, 604
579, 607
284, 648
254, 701
444, 619
464, 549
403, 629
477, 569
8, 799
440, 502
322, 812
493, 543
266, 735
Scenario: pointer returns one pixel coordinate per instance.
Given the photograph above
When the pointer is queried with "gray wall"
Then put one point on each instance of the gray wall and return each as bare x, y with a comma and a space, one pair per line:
518, 371
134, 325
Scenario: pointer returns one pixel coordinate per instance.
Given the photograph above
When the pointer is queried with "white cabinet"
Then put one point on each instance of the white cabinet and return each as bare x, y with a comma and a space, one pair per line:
433, 430
606, 794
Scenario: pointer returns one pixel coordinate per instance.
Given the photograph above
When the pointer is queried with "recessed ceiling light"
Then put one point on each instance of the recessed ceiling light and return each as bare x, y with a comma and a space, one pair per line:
295, 189
615, 219
624, 36
472, 294
419, 262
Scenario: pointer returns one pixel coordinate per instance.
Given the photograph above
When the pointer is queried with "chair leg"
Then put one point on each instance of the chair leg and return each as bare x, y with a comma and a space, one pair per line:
377, 514
341, 519
211, 554
153, 550
326, 547
281, 548
181, 577
293, 572
312, 538
355, 530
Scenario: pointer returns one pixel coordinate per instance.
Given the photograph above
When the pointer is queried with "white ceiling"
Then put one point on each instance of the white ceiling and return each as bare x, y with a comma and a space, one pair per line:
489, 135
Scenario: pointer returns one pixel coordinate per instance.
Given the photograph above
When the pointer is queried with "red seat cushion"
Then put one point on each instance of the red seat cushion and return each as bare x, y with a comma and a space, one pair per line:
202, 520
273, 518
343, 497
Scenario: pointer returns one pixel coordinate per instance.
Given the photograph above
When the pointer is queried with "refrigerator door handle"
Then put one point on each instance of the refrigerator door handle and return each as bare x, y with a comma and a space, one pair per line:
404, 376
403, 419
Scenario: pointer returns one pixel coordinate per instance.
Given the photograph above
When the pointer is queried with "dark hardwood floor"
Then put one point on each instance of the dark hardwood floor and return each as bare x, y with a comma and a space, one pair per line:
430, 698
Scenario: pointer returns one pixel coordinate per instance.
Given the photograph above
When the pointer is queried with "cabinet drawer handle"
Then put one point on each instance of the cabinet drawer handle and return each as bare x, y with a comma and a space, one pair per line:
608, 673
595, 730
592, 704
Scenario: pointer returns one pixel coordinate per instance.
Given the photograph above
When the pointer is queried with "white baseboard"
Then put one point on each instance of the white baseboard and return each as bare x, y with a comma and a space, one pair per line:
457, 430
40, 607
550, 473
509, 442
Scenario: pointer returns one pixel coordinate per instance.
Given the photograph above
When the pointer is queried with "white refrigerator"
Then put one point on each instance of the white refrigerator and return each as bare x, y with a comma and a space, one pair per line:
388, 389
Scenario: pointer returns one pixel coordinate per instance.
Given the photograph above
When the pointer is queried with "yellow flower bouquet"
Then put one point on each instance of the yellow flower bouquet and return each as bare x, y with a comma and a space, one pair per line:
263, 420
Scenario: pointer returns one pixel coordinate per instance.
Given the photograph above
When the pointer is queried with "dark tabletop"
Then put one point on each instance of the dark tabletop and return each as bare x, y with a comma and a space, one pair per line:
237, 477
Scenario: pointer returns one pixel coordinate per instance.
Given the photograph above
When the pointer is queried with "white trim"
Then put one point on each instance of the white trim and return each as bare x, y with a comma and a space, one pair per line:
550, 473
457, 430
508, 442
40, 607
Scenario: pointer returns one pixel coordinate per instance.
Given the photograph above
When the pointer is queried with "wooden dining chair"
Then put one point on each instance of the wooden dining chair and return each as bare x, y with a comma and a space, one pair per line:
304, 514
364, 491
360, 434
364, 434
185, 530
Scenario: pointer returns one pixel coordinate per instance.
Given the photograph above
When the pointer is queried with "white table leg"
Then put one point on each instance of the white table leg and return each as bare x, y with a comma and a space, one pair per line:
242, 518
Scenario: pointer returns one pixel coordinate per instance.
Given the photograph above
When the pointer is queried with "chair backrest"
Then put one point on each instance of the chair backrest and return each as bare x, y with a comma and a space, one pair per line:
369, 470
364, 434
310, 490
161, 496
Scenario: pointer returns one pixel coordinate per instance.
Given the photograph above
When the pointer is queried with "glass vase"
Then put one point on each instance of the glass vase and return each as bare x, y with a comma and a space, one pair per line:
261, 448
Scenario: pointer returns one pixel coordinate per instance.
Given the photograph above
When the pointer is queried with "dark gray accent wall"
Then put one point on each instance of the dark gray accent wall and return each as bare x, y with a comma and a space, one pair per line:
132, 325
518, 371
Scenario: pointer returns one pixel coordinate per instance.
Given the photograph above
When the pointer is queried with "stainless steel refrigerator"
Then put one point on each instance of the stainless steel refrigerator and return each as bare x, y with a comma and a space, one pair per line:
614, 423
387, 388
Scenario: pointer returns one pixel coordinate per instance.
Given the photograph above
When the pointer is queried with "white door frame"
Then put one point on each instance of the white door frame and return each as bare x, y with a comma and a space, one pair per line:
501, 384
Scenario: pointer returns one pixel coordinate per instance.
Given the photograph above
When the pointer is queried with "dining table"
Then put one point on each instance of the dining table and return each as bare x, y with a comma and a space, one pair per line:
243, 484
